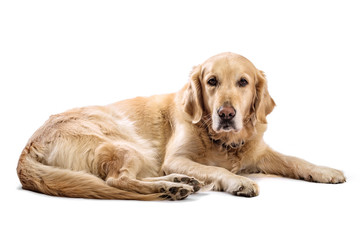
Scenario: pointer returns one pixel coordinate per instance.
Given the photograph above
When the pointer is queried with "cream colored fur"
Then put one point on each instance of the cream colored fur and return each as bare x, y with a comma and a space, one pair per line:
166, 146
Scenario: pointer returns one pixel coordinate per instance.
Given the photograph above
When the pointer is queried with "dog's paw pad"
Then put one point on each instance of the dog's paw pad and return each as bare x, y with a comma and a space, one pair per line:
190, 181
176, 192
173, 190
166, 196
184, 192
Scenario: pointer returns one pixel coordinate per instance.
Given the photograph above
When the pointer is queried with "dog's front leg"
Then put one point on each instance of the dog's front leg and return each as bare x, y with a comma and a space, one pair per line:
272, 162
220, 178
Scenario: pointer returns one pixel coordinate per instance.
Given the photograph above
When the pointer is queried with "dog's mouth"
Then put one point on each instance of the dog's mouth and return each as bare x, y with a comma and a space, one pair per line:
226, 126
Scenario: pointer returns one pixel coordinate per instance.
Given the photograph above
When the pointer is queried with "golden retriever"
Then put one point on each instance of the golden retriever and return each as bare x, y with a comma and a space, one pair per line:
167, 146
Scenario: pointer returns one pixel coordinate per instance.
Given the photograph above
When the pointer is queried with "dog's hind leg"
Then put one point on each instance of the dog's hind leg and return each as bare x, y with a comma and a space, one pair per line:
119, 165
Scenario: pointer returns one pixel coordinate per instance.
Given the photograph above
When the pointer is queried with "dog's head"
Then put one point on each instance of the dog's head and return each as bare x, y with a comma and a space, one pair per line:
229, 91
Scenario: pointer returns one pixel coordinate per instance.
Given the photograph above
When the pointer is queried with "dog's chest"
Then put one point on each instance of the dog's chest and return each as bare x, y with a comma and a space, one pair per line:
222, 157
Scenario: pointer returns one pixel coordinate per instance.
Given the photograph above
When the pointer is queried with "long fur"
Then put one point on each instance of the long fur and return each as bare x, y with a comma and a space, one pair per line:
165, 146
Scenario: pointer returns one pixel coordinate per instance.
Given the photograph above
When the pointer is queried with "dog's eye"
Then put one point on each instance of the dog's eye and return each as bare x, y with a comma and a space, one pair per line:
212, 82
243, 82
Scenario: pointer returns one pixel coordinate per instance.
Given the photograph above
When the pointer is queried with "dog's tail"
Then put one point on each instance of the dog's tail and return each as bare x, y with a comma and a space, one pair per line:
38, 177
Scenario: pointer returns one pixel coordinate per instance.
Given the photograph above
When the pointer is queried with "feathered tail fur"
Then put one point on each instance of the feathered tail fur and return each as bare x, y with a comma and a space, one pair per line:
50, 180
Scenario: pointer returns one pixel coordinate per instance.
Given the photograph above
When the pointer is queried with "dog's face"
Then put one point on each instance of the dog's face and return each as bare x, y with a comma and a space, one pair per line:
229, 90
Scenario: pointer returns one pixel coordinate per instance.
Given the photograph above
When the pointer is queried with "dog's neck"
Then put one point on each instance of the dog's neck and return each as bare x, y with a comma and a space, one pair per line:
227, 140
226, 145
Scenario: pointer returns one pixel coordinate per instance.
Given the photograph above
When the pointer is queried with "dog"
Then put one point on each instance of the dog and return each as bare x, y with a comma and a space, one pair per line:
166, 146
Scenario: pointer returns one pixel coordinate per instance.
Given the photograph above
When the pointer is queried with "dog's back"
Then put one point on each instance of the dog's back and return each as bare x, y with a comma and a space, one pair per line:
65, 157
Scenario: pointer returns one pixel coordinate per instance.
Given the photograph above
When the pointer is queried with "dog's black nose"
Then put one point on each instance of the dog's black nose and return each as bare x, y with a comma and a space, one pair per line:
226, 112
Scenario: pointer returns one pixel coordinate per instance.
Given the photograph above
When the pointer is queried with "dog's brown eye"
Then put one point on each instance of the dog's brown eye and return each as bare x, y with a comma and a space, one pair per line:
243, 82
212, 82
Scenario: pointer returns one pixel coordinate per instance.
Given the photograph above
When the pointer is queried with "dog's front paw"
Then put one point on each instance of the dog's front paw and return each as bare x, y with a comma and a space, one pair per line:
326, 175
241, 186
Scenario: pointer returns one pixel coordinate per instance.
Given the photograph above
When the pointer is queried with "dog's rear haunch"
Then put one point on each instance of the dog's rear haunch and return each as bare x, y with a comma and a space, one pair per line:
166, 146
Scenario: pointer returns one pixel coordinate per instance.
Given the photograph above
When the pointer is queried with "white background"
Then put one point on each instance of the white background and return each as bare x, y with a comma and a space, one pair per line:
56, 55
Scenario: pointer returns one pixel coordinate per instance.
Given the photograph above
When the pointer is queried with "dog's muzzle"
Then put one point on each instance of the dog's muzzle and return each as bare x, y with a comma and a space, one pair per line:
226, 115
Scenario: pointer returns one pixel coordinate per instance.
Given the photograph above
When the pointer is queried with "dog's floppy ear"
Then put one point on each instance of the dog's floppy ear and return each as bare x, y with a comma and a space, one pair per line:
192, 98
263, 102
